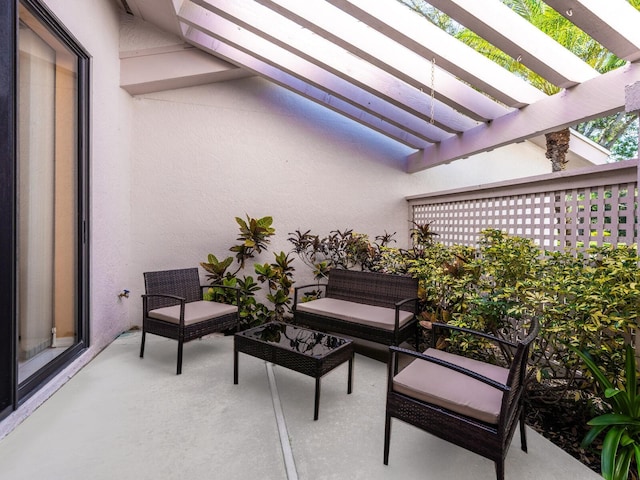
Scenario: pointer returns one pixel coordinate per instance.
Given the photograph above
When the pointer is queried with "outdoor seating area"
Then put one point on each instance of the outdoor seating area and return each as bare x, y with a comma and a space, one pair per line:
319, 240
199, 425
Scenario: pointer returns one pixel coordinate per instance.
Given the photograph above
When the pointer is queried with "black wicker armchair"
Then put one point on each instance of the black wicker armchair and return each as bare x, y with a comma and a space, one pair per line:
173, 308
470, 403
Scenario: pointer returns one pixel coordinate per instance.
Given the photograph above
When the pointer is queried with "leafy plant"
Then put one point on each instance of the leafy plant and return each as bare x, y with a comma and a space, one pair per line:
621, 444
254, 237
279, 279
422, 234
216, 268
340, 249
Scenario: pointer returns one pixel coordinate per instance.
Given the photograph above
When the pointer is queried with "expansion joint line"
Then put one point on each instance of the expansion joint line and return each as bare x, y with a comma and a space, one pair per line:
287, 453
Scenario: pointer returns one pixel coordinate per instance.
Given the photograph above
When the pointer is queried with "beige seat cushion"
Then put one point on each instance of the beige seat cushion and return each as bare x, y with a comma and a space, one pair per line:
194, 312
453, 390
373, 316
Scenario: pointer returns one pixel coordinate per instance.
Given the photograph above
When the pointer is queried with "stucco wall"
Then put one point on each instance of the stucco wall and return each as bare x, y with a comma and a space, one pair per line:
513, 161
203, 155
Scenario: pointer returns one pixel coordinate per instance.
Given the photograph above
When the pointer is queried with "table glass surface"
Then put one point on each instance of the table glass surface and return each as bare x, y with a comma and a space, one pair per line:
290, 337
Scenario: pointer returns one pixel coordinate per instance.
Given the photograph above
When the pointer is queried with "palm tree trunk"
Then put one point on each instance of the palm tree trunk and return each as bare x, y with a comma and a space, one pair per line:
557, 148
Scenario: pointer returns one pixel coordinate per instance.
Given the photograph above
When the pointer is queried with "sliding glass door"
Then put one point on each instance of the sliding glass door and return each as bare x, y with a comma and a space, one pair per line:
47, 197
47, 178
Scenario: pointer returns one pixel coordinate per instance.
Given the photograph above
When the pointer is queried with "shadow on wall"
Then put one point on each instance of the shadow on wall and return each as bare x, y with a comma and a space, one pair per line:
320, 121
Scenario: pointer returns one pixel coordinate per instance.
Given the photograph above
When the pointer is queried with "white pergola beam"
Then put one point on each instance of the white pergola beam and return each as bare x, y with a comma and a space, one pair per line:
341, 29
509, 32
175, 66
408, 28
281, 33
613, 23
595, 98
161, 13
242, 48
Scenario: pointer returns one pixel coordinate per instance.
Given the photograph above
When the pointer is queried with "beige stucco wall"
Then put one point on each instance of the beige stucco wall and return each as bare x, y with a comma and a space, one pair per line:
204, 155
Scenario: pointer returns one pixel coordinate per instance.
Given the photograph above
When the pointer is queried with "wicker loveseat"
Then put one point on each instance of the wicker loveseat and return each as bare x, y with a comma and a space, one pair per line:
373, 306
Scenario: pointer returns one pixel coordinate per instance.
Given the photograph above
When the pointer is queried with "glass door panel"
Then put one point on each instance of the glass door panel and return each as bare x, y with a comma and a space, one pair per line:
47, 205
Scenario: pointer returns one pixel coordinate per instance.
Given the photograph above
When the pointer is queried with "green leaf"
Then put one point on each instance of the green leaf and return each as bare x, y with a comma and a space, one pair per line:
636, 450
613, 419
609, 453
593, 368
592, 434
241, 222
611, 392
623, 463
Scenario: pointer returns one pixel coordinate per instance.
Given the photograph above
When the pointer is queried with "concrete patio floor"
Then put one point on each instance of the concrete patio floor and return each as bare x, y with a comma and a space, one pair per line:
122, 417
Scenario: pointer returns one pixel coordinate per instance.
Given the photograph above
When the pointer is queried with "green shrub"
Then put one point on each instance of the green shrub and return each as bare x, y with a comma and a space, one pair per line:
255, 236
588, 299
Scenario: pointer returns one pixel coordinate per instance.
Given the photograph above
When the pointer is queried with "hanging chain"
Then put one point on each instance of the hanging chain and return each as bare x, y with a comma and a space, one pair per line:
433, 91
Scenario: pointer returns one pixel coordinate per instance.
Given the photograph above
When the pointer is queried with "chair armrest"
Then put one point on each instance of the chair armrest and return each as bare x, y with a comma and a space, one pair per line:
397, 308
295, 291
446, 326
182, 301
407, 300
421, 356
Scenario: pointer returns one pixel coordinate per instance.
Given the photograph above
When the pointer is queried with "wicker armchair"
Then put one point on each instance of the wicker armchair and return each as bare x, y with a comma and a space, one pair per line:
173, 308
472, 404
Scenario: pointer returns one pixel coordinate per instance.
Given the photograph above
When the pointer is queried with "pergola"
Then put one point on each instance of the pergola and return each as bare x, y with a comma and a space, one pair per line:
388, 68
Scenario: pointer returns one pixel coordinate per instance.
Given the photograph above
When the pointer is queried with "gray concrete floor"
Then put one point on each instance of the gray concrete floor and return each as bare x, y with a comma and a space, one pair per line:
123, 417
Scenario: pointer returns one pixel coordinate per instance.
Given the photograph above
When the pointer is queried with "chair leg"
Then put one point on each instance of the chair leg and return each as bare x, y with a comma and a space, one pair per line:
180, 345
500, 470
142, 344
523, 433
387, 438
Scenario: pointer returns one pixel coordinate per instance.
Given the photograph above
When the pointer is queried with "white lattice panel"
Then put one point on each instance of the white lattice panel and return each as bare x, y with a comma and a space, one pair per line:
554, 219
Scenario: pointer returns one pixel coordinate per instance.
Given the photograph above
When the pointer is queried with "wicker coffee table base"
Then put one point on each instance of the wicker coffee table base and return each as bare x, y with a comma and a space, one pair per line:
312, 366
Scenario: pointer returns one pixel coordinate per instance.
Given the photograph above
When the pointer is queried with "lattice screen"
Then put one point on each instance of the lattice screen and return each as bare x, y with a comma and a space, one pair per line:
574, 217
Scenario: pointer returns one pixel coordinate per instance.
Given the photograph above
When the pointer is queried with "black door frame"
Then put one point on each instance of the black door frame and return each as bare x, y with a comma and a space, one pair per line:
8, 89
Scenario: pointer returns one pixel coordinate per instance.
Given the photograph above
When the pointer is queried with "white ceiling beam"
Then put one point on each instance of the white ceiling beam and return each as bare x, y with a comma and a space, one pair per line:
614, 23
213, 46
408, 28
343, 30
518, 38
176, 66
161, 13
595, 98
283, 33
242, 48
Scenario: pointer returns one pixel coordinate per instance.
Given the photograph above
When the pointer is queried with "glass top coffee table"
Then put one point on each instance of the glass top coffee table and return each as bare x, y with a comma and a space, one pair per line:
300, 349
